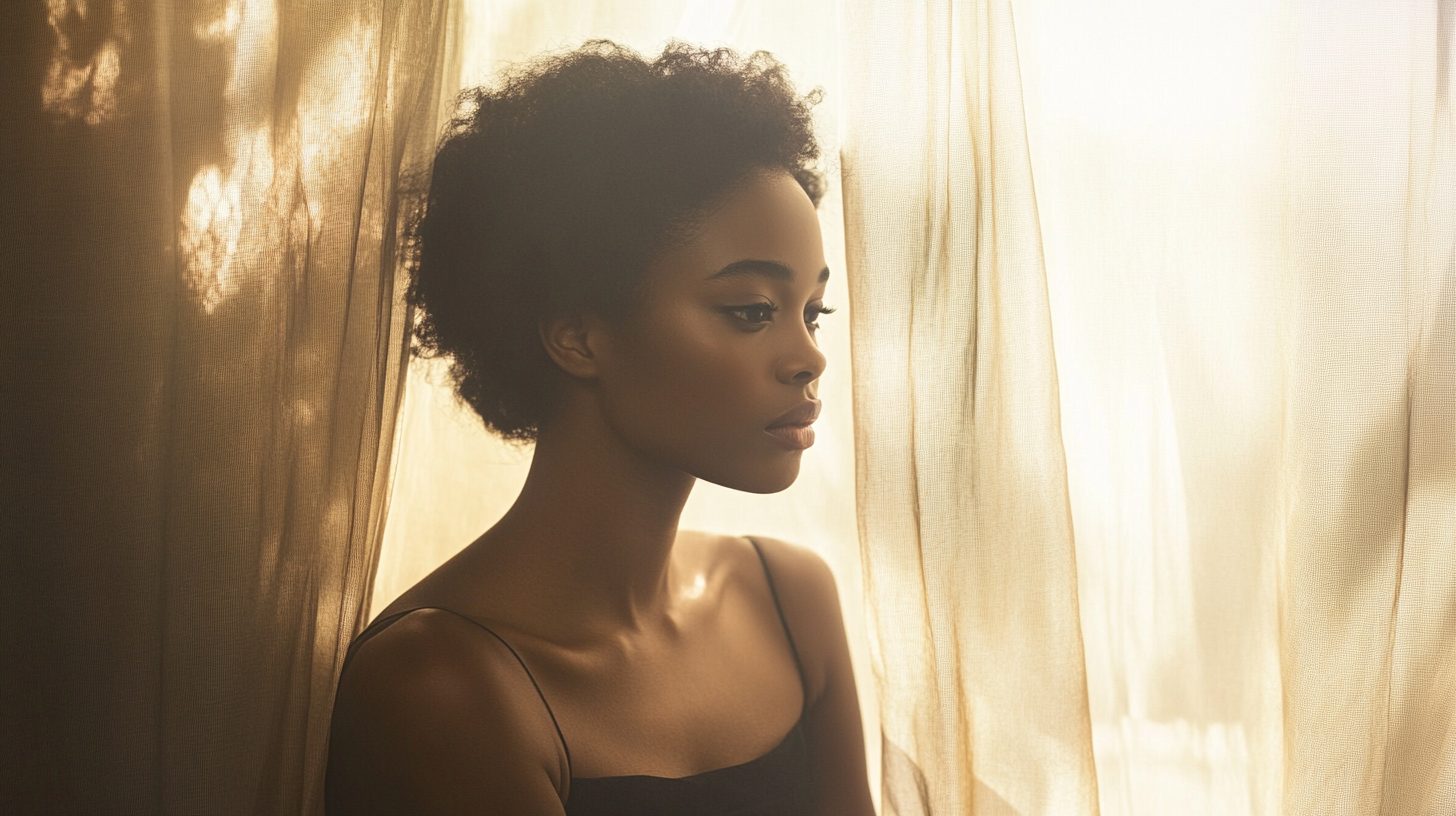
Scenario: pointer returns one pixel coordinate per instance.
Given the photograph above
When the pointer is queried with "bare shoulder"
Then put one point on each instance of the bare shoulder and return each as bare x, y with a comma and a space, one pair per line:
810, 599
434, 656
434, 715
799, 570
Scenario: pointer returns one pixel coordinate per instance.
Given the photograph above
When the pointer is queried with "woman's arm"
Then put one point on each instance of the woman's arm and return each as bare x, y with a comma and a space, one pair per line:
832, 723
435, 717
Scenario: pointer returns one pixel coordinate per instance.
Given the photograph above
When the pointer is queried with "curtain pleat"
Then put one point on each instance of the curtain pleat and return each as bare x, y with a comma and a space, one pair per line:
965, 524
203, 348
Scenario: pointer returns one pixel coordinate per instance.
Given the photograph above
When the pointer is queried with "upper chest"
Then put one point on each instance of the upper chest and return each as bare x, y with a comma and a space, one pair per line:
712, 684
717, 688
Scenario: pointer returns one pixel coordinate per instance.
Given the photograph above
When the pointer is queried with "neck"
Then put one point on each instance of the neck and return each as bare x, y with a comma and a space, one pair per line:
593, 529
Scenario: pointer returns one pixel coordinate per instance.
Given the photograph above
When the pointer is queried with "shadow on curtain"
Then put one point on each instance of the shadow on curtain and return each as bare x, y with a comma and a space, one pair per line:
203, 350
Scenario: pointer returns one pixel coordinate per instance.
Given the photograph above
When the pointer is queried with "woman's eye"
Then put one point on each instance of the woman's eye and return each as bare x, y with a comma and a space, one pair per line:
757, 315
813, 313
754, 313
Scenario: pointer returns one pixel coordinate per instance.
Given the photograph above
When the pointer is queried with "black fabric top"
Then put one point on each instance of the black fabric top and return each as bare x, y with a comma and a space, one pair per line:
775, 784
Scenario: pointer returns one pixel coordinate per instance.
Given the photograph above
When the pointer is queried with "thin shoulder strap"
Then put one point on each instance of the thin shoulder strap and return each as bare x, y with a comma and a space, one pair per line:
380, 625
778, 607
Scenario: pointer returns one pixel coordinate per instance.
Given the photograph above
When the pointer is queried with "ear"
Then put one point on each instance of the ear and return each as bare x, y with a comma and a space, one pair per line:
568, 340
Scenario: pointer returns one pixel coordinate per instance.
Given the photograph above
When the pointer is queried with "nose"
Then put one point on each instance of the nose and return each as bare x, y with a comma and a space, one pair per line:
803, 363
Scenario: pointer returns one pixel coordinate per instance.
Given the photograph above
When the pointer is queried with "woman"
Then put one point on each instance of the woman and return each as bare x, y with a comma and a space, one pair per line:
622, 260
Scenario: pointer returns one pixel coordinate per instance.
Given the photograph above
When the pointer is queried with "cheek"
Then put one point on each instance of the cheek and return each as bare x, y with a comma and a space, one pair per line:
696, 396
687, 387
691, 373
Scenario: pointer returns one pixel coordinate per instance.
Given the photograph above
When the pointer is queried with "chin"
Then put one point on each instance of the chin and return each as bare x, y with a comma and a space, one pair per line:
773, 478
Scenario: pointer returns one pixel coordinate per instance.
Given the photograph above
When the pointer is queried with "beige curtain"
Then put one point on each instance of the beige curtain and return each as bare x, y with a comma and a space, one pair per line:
1368, 619
965, 525
1237, 321
201, 357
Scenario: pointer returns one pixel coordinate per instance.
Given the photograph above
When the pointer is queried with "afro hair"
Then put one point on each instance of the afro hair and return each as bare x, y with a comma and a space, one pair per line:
554, 188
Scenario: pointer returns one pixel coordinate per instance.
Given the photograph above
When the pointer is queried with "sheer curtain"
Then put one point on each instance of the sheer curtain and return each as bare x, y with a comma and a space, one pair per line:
1245, 273
966, 528
1248, 212
201, 356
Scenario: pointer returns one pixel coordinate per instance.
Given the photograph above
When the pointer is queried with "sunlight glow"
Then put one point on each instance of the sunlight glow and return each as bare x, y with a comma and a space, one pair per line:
286, 158
1155, 133
81, 85
208, 236
222, 29
211, 234
335, 106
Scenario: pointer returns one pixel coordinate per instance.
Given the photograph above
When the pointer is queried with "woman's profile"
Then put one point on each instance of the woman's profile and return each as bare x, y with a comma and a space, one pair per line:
621, 258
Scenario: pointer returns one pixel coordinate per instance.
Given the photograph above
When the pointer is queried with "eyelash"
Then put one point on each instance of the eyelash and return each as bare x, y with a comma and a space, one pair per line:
741, 312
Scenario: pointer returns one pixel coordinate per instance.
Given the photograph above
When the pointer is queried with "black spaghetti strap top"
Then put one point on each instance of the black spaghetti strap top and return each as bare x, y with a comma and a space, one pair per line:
775, 784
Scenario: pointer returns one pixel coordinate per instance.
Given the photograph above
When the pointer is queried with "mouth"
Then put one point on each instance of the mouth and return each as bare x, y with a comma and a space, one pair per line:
794, 430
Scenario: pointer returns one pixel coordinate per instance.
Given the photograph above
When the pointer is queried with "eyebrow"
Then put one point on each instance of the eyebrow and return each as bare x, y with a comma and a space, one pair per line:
768, 269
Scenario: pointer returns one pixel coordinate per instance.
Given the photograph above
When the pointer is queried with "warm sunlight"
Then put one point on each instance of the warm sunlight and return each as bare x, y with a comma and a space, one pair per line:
81, 83
1156, 142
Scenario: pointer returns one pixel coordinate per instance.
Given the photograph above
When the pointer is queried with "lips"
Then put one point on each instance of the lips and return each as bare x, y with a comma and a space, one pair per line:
793, 428
802, 414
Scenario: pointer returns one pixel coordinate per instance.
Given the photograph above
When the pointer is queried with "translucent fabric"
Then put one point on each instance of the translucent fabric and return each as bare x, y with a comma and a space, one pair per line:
1249, 227
965, 525
1368, 615
201, 357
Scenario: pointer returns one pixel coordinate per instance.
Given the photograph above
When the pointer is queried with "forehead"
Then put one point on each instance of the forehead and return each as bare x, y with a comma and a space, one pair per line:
766, 217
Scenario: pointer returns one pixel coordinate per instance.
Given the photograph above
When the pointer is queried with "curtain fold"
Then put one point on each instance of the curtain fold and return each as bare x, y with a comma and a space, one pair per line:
1159, 148
965, 522
1369, 613
203, 349
1249, 231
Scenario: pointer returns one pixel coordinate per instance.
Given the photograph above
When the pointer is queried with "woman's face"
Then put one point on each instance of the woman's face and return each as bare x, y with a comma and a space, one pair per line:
715, 374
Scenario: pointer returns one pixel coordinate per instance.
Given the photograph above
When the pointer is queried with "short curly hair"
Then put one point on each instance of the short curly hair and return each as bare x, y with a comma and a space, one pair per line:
554, 188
